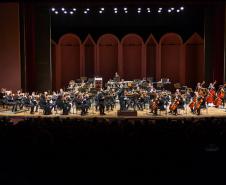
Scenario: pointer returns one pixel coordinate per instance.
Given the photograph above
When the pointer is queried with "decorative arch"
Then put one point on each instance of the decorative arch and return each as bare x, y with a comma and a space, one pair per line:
171, 58
70, 58
194, 59
107, 56
151, 56
132, 56
89, 53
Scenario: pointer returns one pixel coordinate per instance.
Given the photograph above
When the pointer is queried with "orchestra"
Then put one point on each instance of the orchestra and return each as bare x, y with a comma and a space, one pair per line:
135, 95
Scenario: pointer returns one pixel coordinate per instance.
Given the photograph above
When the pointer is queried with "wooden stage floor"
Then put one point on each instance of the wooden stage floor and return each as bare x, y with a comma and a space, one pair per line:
209, 112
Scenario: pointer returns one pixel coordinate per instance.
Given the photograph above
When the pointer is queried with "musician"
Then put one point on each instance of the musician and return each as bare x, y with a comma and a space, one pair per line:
116, 77
122, 97
101, 100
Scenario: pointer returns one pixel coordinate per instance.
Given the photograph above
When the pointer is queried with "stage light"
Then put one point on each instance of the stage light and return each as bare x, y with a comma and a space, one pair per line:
74, 9
102, 9
56, 12
63, 9
160, 8
115, 9
53, 9
125, 8
169, 10
87, 9
182, 8
100, 12
159, 11
172, 9
149, 11
65, 12
139, 9
178, 10
126, 11
85, 12
71, 12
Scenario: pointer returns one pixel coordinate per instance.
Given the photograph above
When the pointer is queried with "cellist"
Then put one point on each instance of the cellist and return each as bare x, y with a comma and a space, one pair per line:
211, 94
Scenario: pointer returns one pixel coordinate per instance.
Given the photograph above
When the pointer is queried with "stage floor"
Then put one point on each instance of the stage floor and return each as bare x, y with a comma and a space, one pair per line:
209, 112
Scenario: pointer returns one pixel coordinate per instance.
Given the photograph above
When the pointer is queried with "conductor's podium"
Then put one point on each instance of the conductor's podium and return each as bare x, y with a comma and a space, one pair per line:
127, 113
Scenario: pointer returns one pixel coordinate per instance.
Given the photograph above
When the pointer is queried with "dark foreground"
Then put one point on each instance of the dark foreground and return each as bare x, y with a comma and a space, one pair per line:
100, 151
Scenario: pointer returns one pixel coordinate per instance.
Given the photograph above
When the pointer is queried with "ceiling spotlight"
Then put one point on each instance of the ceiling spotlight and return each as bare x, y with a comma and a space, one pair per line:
160, 8
115, 9
139, 9
53, 9
87, 9
56, 12
159, 11
62, 9
182, 8
102, 9
178, 10
172, 9
65, 12
126, 11
169, 10
85, 12
71, 12
149, 11
100, 12
74, 9
125, 8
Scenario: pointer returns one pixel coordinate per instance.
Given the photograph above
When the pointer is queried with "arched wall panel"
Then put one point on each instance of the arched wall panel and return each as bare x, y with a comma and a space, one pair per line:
171, 57
132, 45
194, 60
89, 56
108, 56
151, 56
70, 57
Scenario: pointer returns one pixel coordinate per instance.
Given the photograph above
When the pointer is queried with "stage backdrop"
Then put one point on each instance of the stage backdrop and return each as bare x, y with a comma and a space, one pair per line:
131, 57
9, 46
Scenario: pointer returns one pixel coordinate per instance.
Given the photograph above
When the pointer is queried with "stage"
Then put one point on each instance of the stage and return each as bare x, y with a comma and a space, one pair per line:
210, 112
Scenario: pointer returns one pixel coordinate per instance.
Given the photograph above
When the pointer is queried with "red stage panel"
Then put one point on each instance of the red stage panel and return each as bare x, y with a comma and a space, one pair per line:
151, 56
70, 58
132, 56
108, 56
194, 59
171, 56
89, 56
10, 76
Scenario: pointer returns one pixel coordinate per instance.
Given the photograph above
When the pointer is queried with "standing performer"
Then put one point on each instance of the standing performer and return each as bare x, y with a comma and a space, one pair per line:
101, 101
